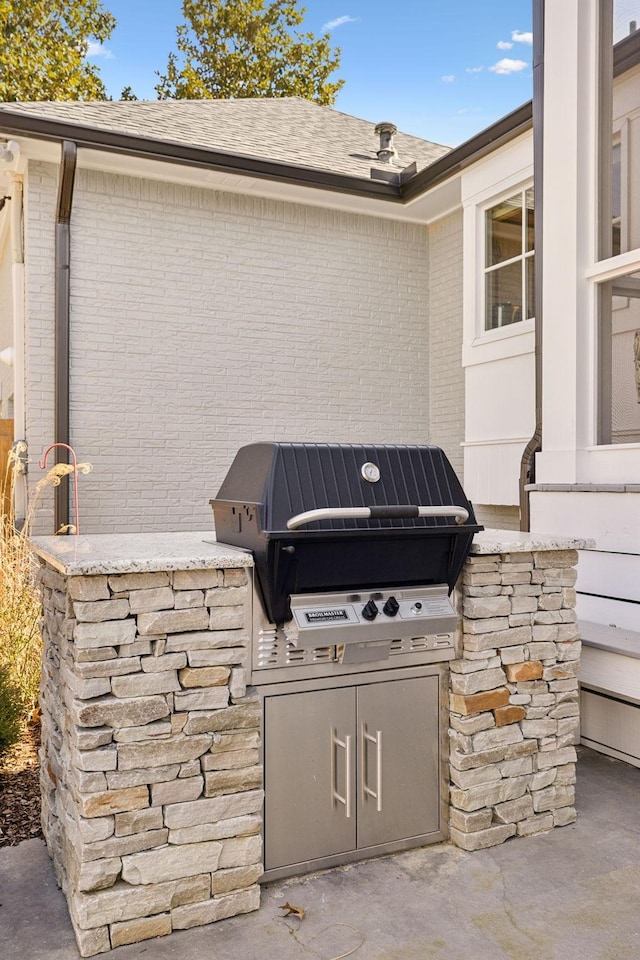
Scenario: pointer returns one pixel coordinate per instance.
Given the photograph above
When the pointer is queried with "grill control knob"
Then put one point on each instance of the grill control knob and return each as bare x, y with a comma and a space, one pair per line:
391, 607
370, 610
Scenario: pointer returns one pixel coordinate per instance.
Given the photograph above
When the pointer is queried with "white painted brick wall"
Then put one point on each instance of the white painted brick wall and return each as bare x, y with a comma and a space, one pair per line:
6, 328
39, 231
498, 517
446, 376
201, 321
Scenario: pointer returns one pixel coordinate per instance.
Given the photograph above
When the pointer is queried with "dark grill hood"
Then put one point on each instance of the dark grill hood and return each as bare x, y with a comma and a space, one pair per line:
268, 484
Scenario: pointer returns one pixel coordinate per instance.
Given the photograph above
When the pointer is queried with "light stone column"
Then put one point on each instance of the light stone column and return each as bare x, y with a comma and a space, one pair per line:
151, 764
514, 713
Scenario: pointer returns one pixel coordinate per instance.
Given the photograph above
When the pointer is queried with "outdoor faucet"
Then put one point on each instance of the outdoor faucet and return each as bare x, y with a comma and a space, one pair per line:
43, 464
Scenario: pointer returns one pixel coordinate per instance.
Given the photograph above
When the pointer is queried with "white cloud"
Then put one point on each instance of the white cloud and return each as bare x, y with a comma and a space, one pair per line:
519, 37
475, 69
508, 66
504, 45
95, 49
332, 24
448, 78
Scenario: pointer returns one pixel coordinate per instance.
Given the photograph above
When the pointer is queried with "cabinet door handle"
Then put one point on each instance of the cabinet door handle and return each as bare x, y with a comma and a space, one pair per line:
335, 796
366, 789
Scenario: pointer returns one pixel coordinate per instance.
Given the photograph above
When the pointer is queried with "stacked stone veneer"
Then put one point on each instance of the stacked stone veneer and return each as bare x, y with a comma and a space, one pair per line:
151, 776
514, 698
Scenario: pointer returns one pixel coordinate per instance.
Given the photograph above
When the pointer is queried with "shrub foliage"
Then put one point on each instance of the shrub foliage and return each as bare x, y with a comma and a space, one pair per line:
20, 606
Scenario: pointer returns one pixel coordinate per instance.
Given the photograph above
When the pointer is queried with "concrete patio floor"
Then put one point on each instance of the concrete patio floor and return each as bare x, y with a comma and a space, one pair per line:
573, 894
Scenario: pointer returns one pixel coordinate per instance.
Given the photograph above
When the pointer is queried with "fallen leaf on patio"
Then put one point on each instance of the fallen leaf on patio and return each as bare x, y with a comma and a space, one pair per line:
298, 912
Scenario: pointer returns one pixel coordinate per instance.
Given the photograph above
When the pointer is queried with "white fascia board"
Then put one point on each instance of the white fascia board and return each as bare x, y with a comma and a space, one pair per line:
504, 168
44, 151
444, 198
152, 169
437, 202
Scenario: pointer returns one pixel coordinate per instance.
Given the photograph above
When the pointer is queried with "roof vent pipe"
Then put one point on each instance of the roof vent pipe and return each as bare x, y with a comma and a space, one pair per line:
387, 152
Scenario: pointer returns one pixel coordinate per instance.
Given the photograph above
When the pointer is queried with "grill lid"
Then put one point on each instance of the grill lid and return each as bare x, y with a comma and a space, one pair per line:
270, 487
285, 480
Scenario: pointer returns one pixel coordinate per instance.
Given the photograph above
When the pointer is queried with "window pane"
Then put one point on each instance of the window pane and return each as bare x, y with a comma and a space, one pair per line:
503, 296
531, 286
616, 238
528, 202
619, 133
616, 184
620, 360
616, 200
504, 231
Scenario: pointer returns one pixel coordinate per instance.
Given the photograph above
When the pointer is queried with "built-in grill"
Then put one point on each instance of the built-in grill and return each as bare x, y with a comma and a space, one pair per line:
355, 547
356, 552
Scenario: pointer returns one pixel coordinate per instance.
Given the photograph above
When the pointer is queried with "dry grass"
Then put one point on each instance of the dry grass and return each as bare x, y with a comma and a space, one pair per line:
20, 608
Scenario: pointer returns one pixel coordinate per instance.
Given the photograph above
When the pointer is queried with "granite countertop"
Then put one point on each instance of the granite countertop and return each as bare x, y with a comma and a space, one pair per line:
88, 555
513, 541
92, 554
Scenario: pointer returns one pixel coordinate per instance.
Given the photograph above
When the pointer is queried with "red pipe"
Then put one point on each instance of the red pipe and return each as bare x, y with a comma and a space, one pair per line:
43, 463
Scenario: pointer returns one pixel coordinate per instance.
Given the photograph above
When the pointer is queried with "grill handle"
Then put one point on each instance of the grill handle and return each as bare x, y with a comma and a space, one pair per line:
391, 512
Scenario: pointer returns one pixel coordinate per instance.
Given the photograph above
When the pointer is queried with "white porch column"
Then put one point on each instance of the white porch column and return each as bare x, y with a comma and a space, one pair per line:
570, 97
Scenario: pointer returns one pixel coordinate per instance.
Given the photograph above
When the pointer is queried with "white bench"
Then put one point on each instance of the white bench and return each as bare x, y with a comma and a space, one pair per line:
610, 690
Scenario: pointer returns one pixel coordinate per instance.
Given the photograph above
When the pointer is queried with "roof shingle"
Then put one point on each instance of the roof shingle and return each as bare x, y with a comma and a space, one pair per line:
288, 129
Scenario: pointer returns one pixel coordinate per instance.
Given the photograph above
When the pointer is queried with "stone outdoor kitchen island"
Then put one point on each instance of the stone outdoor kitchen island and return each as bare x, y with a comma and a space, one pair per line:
151, 776
152, 801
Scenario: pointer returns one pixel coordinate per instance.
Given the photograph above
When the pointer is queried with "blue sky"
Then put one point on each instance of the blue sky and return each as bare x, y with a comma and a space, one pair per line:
439, 70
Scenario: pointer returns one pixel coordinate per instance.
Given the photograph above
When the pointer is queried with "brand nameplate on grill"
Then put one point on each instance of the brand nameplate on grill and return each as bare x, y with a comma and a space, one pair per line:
326, 616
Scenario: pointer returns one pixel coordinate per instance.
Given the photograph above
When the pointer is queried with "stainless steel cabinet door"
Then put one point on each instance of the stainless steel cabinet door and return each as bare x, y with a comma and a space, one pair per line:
310, 784
398, 741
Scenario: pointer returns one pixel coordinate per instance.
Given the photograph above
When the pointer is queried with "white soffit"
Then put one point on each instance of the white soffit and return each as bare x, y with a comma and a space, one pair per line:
436, 203
444, 198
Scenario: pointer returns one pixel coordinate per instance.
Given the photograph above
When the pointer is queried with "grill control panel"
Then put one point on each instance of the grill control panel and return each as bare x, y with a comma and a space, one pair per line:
382, 615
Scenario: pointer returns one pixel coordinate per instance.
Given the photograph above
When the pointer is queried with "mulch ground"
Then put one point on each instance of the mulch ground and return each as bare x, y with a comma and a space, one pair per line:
20, 790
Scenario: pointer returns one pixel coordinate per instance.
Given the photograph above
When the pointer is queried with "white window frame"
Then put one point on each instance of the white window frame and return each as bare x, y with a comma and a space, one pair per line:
497, 178
520, 258
614, 267
572, 273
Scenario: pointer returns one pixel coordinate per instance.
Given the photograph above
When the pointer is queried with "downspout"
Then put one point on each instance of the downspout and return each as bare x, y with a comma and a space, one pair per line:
62, 287
17, 293
527, 464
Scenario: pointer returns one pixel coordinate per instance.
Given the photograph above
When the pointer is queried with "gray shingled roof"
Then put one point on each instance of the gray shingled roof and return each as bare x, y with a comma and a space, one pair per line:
288, 129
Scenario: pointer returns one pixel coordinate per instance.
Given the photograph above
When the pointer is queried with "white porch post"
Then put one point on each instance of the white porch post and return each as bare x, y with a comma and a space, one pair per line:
570, 98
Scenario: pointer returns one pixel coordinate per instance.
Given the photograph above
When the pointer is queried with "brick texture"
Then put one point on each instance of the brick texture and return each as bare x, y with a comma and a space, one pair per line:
446, 376
6, 329
498, 517
201, 321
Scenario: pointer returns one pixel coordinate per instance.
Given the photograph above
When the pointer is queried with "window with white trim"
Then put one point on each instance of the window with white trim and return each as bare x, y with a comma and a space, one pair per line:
509, 261
617, 269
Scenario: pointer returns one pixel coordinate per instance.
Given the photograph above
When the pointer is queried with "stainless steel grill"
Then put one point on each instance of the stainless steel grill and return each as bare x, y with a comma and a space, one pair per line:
357, 550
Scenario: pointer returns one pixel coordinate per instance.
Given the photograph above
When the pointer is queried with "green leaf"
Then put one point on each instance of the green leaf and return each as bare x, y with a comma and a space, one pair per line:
43, 53
248, 48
